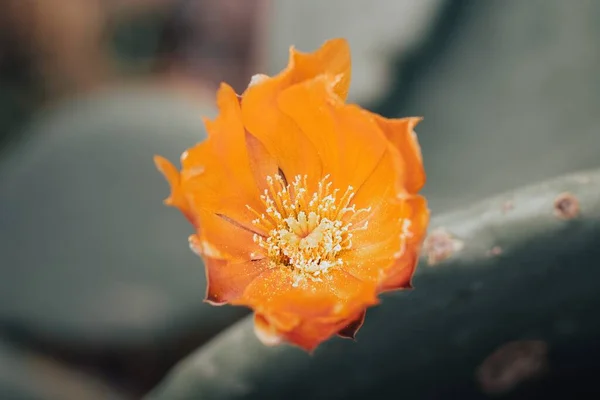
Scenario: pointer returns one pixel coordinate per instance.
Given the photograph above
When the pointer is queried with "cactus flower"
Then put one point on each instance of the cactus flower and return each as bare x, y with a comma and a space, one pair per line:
305, 208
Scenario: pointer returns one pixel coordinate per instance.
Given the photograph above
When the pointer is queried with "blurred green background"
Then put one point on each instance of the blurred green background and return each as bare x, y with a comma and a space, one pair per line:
100, 296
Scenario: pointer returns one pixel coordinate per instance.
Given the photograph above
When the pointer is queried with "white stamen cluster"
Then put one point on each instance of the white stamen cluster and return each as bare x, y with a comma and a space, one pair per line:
307, 232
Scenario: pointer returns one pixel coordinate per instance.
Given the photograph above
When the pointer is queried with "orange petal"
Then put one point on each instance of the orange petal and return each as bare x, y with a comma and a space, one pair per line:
265, 332
399, 275
419, 215
381, 184
336, 295
333, 58
227, 280
216, 174
307, 334
310, 312
347, 139
177, 197
223, 238
262, 164
314, 332
386, 252
378, 245
400, 132
293, 152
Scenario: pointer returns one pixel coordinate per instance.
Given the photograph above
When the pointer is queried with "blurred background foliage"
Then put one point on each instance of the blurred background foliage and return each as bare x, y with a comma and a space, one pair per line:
97, 280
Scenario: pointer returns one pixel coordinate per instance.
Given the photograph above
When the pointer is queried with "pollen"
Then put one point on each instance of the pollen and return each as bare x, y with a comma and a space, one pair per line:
307, 232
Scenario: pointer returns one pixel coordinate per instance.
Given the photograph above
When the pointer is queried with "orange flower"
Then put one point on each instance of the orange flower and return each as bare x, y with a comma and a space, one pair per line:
305, 207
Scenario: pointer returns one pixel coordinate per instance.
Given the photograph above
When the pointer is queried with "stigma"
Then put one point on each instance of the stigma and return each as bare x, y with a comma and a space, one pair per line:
307, 232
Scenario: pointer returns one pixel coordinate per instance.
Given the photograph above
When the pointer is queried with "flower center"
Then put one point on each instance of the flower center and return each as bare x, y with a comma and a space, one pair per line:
307, 232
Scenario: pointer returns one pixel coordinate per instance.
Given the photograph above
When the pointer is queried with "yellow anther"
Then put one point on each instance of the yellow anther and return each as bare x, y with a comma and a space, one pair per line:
307, 232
